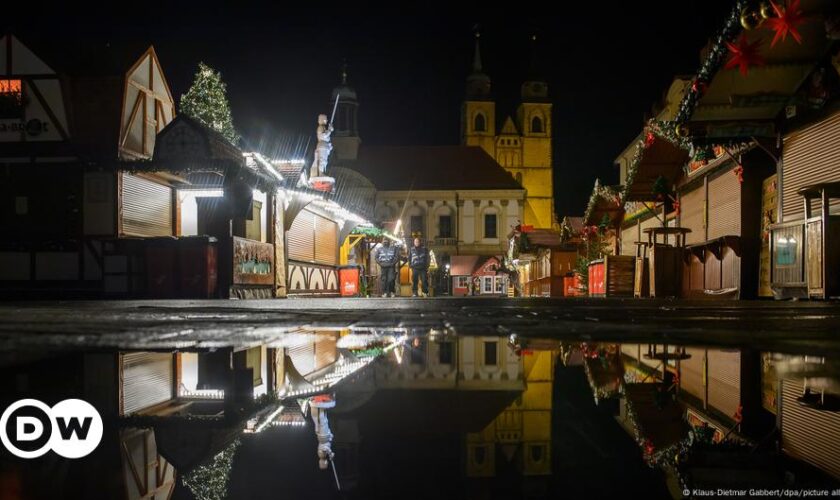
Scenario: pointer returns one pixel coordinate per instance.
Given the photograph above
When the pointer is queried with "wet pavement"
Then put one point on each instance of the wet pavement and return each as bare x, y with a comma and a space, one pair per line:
492, 398
796, 327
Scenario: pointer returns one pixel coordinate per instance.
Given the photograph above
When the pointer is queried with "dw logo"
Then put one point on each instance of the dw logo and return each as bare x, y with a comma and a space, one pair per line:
72, 428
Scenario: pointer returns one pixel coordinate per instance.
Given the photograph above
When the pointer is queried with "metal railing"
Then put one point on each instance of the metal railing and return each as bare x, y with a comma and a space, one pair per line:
439, 241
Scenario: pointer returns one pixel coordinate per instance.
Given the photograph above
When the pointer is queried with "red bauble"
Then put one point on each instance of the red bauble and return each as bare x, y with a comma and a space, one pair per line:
744, 54
649, 139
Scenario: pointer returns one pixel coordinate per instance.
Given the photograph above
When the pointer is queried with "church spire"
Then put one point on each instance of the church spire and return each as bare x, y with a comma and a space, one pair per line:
478, 83
477, 55
535, 88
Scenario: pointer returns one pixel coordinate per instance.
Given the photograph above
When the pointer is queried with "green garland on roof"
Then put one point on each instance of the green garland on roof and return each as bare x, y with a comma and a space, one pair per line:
599, 192
368, 231
654, 130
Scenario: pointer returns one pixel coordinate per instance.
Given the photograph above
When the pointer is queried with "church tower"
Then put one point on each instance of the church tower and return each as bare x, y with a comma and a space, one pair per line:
533, 119
478, 113
345, 137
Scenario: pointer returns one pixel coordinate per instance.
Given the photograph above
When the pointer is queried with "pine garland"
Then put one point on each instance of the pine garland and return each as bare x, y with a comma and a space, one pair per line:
206, 101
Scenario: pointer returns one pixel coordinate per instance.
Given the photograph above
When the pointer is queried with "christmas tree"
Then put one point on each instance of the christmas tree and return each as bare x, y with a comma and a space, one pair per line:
206, 101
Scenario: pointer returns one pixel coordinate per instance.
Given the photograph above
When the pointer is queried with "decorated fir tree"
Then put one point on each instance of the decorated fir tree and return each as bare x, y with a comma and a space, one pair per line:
206, 101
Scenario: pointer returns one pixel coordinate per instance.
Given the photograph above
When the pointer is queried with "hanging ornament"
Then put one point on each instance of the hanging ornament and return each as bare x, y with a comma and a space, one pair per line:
765, 9
739, 171
750, 19
681, 130
744, 54
786, 21
649, 139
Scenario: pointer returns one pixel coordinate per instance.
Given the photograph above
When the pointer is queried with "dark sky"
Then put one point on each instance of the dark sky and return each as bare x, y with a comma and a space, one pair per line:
606, 63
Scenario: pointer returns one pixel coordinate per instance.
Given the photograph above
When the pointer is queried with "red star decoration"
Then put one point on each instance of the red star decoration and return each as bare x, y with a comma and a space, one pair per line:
787, 20
744, 55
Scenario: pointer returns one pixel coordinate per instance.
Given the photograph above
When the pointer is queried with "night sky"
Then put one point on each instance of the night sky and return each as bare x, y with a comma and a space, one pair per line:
606, 64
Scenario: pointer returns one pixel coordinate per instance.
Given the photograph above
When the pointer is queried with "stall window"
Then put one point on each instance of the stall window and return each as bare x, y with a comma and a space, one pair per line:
463, 281
490, 226
487, 286
786, 251
500, 284
11, 99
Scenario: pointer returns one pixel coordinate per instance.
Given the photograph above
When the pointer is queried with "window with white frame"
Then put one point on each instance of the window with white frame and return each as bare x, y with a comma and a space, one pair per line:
501, 284
487, 286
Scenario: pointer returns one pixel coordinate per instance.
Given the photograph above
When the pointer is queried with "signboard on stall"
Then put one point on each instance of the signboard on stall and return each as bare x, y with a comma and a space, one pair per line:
253, 262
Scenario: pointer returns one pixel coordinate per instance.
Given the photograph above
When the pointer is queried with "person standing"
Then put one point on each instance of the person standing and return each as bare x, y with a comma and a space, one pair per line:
418, 261
387, 258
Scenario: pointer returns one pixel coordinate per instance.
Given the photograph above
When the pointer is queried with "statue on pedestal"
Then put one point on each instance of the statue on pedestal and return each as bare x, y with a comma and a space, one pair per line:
318, 179
318, 407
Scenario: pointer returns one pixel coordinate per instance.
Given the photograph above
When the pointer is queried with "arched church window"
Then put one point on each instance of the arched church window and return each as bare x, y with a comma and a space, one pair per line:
480, 123
536, 125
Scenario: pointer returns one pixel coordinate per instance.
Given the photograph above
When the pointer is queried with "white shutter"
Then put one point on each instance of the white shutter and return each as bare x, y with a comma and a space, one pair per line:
303, 357
807, 434
147, 380
724, 381
691, 373
724, 205
692, 214
300, 238
146, 207
326, 241
810, 156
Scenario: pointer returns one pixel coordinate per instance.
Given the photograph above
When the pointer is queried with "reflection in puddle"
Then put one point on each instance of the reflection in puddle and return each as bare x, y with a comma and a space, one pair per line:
366, 413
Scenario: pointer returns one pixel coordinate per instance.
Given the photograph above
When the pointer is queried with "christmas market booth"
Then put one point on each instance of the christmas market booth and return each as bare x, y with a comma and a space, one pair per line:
739, 188
228, 211
733, 115
803, 232
649, 199
609, 274
319, 228
550, 260
475, 275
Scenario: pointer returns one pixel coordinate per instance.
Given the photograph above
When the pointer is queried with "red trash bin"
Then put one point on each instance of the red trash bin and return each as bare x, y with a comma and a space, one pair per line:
348, 280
